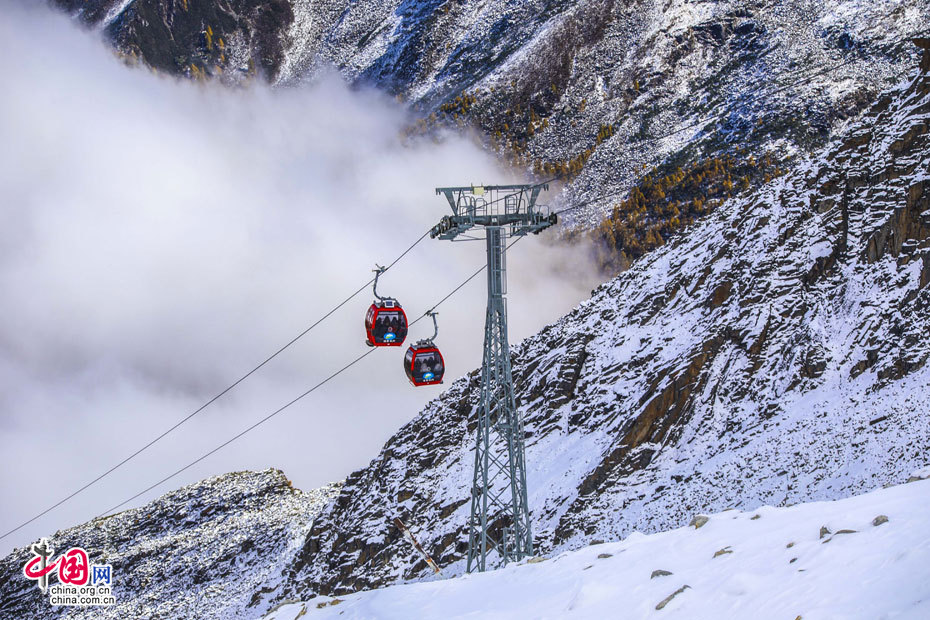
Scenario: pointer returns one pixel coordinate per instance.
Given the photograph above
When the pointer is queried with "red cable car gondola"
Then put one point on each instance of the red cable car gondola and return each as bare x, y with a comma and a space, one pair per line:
386, 322
423, 362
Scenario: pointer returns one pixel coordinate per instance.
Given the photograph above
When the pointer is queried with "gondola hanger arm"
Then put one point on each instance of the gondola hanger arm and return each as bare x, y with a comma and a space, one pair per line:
433, 314
378, 271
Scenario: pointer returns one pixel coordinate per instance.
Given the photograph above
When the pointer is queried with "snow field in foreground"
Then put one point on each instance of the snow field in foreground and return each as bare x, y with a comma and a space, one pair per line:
768, 563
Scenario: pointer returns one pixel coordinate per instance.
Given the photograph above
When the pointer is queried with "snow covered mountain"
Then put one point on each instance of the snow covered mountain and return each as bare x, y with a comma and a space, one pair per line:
858, 558
775, 354
209, 550
559, 85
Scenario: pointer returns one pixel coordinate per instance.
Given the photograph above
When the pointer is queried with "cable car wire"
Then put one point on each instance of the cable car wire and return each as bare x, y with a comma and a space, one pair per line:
215, 398
290, 403
240, 433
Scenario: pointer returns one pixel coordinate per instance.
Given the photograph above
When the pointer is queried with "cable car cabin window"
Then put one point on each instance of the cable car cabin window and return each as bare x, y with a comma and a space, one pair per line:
390, 326
428, 363
424, 367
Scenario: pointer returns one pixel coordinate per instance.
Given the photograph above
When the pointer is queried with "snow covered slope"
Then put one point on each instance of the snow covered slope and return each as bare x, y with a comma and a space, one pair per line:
864, 557
777, 353
214, 549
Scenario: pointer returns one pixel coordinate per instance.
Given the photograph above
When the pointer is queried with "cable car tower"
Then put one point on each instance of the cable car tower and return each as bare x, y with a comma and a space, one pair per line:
500, 513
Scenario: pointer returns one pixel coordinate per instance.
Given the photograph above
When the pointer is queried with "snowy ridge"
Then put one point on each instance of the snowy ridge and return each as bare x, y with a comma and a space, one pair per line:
869, 561
774, 354
214, 549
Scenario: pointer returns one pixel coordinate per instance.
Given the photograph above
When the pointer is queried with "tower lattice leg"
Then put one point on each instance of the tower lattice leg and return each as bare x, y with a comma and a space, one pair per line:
500, 515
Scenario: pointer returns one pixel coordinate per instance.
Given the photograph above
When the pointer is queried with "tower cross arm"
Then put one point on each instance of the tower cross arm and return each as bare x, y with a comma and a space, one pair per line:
513, 206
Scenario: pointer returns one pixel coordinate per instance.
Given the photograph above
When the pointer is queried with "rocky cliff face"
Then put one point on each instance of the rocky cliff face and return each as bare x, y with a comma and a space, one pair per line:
589, 89
232, 40
777, 353
215, 549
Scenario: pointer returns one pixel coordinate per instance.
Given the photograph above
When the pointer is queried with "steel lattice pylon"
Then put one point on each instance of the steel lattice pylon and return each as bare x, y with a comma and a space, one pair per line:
500, 514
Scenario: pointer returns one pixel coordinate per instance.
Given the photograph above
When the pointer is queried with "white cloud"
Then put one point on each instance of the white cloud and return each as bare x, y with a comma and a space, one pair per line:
161, 237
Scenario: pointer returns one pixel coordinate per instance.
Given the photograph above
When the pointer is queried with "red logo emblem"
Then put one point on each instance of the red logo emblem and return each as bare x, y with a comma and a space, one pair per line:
73, 567
35, 573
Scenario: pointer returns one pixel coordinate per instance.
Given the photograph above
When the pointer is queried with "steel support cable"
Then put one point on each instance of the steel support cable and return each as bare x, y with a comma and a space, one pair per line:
240, 433
215, 398
288, 404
